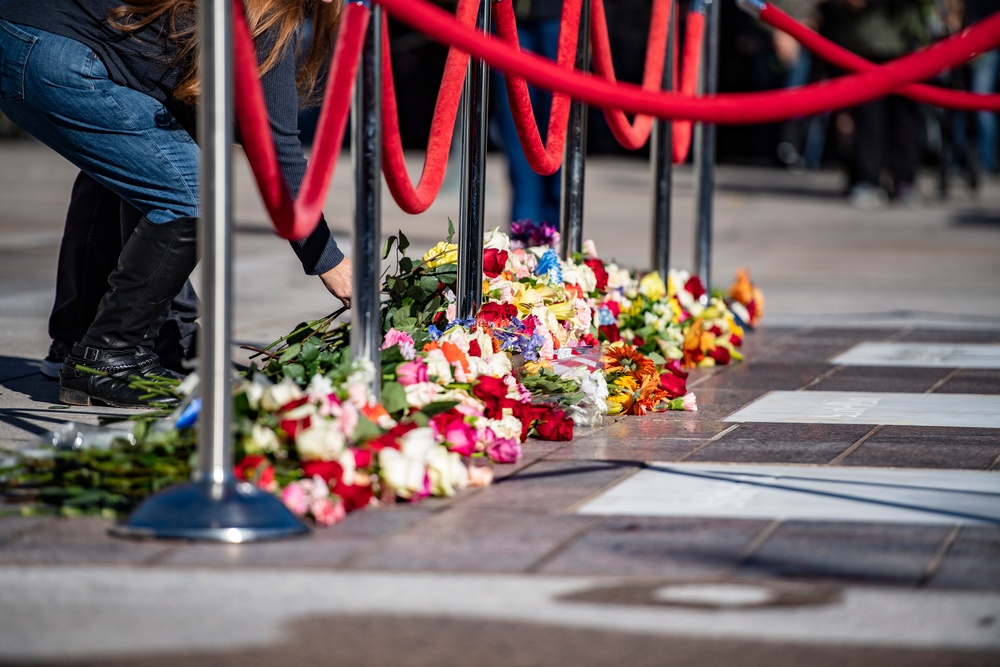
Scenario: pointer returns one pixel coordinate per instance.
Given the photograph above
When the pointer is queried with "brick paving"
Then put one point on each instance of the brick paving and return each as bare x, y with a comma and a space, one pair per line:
454, 581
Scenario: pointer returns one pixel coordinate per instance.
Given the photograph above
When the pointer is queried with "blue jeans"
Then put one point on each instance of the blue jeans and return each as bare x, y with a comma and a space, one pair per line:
534, 197
984, 81
59, 91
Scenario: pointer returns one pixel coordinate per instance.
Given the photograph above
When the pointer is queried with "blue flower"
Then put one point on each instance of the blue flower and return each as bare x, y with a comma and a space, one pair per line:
434, 332
605, 317
549, 264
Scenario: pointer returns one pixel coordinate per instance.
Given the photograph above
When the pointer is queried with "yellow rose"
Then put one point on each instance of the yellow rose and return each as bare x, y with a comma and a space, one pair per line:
651, 286
441, 254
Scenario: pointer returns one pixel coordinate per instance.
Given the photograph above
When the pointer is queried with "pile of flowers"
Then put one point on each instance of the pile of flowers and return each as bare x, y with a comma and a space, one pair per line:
556, 344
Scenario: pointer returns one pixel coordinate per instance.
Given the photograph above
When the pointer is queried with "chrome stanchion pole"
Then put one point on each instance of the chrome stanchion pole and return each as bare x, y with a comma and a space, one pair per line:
704, 150
214, 506
661, 163
475, 104
575, 152
366, 157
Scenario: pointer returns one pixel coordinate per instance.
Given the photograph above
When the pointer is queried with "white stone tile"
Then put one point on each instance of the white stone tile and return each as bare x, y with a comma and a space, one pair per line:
847, 407
805, 493
921, 355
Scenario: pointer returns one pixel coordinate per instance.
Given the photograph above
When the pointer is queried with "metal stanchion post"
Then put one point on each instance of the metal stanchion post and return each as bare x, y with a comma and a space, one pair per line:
661, 162
366, 156
575, 153
704, 146
470, 235
214, 506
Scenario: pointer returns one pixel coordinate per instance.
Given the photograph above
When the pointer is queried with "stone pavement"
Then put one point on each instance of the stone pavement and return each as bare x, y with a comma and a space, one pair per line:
828, 504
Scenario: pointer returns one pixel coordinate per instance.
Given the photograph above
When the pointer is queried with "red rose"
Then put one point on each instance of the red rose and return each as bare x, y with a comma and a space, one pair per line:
496, 314
720, 354
694, 286
597, 266
391, 438
474, 350
529, 413
355, 496
715, 330
494, 262
674, 366
589, 340
614, 307
255, 469
555, 427
735, 340
674, 386
610, 333
293, 426
329, 471
362, 458
491, 391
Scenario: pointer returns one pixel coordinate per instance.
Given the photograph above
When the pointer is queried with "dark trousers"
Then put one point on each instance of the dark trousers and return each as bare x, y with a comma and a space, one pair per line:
97, 224
887, 135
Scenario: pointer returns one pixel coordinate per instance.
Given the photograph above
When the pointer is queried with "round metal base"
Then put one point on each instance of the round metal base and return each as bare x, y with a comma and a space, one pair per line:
231, 512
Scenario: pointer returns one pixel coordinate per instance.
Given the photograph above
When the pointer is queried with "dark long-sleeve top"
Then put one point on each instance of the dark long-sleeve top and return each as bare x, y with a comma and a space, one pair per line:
148, 63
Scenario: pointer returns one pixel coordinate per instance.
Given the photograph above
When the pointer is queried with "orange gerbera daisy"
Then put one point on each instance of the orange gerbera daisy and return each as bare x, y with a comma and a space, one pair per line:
623, 358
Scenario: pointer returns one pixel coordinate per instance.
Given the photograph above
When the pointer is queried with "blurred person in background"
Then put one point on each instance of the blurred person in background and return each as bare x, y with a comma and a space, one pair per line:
800, 143
983, 79
887, 134
534, 198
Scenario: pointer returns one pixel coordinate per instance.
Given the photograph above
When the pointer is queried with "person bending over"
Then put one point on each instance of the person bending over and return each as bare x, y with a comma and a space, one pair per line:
112, 88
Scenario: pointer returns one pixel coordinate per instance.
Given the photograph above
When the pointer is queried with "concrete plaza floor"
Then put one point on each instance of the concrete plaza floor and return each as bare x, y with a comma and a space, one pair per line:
835, 536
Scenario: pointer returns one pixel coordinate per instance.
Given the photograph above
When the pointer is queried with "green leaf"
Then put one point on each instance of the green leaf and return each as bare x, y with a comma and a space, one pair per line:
451, 231
366, 430
387, 246
290, 353
428, 284
394, 398
404, 242
405, 265
437, 407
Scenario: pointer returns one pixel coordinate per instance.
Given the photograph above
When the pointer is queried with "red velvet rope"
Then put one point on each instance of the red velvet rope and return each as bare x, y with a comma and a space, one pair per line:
841, 57
634, 135
694, 35
418, 199
544, 159
296, 219
740, 108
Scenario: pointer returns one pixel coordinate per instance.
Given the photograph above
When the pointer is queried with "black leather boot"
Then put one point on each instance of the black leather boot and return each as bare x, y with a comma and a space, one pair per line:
98, 223
153, 265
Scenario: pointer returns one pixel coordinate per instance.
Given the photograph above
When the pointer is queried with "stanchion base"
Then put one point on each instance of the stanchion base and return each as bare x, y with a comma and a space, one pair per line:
230, 512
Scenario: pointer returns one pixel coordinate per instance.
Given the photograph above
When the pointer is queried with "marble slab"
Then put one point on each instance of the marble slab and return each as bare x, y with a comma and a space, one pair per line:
847, 407
804, 493
921, 355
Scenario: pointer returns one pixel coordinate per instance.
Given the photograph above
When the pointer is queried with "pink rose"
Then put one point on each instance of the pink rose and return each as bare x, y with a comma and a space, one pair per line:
326, 512
411, 372
458, 436
505, 450
296, 499
402, 339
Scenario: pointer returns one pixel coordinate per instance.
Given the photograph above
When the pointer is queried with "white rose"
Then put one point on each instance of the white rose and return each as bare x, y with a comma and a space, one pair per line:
496, 239
320, 442
446, 472
280, 394
420, 394
263, 439
438, 367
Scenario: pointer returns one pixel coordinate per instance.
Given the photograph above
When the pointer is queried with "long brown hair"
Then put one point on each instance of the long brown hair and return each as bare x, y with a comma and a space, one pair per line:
285, 17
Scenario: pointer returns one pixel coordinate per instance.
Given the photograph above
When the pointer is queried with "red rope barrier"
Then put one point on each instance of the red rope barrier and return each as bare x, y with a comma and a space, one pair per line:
694, 35
634, 135
418, 199
740, 108
544, 159
841, 57
296, 219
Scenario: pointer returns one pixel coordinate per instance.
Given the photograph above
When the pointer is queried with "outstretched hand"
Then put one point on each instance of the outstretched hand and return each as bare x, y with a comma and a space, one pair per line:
339, 281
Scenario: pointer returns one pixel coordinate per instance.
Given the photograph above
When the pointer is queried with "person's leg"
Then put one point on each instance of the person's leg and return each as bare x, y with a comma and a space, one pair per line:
984, 81
906, 140
548, 46
525, 183
88, 253
59, 91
